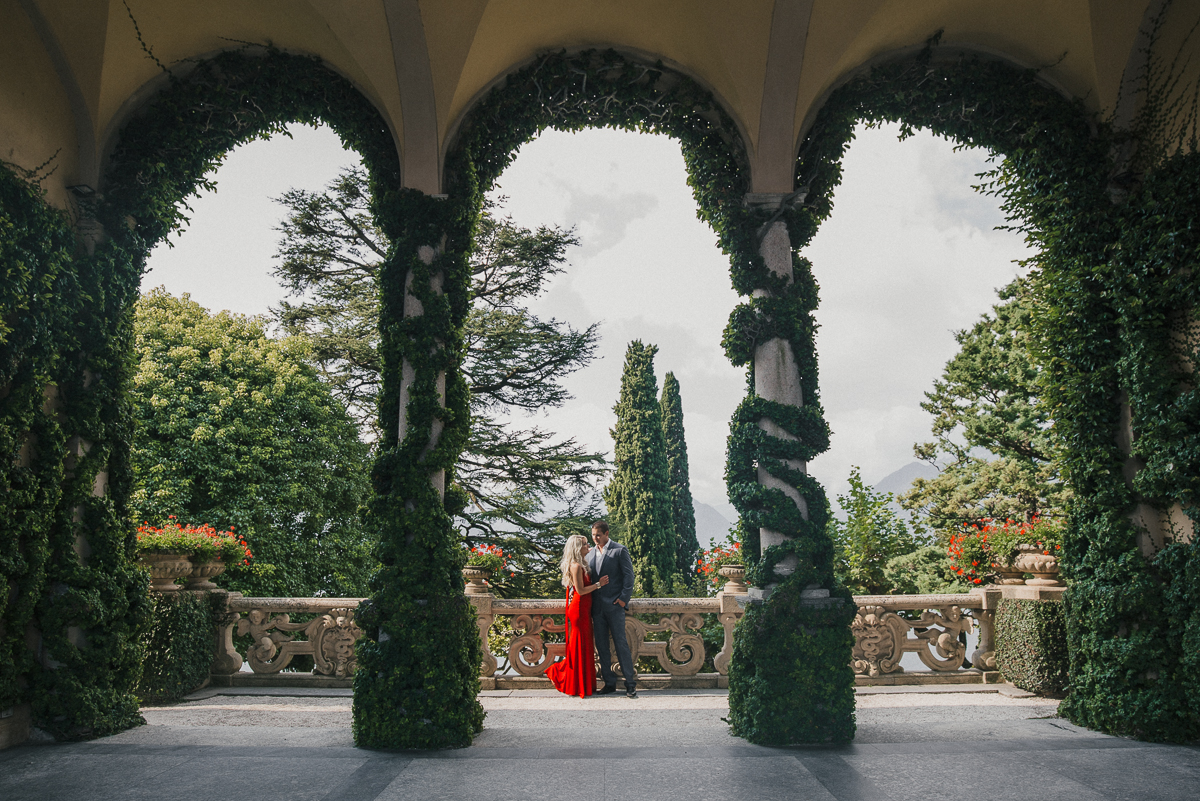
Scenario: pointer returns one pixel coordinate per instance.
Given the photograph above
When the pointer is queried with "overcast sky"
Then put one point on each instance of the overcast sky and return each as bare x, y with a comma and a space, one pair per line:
908, 257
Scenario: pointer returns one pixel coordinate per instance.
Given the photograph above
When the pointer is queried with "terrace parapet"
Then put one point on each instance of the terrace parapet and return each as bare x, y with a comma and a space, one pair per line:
522, 637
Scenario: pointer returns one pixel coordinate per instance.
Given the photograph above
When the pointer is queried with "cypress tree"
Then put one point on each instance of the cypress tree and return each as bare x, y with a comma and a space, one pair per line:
639, 496
683, 514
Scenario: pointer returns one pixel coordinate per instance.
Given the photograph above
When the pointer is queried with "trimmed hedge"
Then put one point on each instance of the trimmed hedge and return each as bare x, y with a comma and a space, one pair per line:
179, 645
1031, 645
789, 681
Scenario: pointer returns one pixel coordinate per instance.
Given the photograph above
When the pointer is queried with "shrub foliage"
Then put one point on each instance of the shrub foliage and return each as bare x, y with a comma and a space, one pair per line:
178, 644
1031, 645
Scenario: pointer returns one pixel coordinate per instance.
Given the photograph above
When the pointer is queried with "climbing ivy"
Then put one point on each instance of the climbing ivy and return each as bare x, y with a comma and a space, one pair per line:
607, 89
1114, 279
80, 315
1116, 292
178, 644
36, 292
418, 664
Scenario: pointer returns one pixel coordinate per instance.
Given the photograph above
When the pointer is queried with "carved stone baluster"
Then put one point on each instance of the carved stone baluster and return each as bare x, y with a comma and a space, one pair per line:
483, 619
879, 637
226, 659
332, 639
730, 613
984, 657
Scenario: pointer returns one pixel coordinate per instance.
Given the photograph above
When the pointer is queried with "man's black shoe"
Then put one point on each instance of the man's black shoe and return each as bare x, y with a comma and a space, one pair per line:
631, 692
608, 690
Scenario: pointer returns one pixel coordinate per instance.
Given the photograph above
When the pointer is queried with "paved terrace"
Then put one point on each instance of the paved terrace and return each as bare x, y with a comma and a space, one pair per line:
936, 743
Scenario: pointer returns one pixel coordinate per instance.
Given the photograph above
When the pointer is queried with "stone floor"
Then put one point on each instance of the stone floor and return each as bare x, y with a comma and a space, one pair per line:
930, 744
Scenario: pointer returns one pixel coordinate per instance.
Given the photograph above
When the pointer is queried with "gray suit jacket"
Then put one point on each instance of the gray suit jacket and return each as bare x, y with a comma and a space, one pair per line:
618, 566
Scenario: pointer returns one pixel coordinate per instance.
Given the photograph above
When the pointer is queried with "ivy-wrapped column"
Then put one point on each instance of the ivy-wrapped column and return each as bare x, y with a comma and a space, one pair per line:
790, 679
777, 381
417, 680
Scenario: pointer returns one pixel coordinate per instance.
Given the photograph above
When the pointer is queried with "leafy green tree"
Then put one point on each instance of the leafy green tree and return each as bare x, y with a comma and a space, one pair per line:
925, 571
639, 495
234, 428
522, 487
992, 443
683, 513
871, 535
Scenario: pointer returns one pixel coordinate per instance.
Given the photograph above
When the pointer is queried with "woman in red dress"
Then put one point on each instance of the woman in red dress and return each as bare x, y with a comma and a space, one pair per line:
575, 674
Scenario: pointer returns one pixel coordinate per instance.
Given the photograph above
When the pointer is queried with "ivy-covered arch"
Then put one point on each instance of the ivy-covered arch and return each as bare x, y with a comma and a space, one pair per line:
978, 102
571, 91
74, 559
1117, 296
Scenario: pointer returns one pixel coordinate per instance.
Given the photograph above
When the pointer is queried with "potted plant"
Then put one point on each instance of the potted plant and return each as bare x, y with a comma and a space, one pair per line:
164, 552
723, 564
984, 552
212, 552
1038, 552
198, 553
970, 556
483, 561
1003, 540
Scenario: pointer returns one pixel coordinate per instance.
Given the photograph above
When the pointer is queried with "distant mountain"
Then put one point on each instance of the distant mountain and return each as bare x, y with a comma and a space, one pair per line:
711, 525
901, 481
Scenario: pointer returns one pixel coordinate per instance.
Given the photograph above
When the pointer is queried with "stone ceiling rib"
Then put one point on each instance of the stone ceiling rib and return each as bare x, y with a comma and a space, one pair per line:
415, 79
774, 153
85, 130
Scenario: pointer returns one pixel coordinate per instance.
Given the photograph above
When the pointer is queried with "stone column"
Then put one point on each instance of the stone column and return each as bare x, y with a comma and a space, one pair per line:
776, 376
408, 374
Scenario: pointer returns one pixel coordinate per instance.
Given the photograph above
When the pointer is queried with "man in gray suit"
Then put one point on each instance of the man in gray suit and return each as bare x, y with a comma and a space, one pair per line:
611, 559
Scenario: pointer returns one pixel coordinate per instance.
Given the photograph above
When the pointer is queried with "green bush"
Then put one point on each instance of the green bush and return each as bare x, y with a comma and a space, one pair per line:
179, 645
1031, 645
925, 571
789, 682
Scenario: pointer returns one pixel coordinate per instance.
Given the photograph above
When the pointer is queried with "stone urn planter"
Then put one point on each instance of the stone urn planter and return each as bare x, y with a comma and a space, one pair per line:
165, 567
735, 576
1009, 575
477, 580
203, 573
1043, 566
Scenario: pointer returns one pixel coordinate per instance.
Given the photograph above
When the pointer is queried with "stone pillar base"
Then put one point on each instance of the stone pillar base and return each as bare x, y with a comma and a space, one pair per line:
15, 724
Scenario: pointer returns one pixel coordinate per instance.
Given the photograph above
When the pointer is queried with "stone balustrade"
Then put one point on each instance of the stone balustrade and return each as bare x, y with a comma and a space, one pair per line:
680, 656
932, 626
666, 630
328, 636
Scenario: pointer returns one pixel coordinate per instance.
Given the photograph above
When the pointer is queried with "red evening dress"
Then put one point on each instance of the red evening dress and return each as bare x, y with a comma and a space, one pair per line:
576, 673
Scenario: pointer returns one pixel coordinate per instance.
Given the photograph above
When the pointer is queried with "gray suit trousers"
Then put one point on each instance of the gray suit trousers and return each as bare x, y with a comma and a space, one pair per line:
610, 618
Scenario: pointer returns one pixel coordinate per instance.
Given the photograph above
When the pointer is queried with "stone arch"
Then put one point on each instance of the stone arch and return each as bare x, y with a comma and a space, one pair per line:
780, 425
177, 127
927, 87
677, 72
174, 139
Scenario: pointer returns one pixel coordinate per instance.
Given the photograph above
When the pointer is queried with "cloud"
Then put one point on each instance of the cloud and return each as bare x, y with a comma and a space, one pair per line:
908, 257
602, 220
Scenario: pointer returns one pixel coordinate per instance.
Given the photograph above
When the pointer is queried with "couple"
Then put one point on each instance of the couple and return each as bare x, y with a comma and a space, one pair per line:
606, 571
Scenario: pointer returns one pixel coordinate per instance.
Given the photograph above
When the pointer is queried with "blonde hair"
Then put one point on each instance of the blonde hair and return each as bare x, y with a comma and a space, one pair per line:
573, 555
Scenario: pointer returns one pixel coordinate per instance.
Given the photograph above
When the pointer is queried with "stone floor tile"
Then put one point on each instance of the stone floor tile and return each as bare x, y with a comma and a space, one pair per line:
1152, 773
771, 778
933, 777
486, 780
235, 735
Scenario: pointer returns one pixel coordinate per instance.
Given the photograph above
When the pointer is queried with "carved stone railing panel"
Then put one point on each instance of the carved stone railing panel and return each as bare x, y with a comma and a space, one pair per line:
681, 654
882, 637
330, 634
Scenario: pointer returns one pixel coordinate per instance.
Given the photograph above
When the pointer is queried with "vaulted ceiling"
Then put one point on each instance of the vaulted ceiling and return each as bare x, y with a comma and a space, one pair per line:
72, 71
